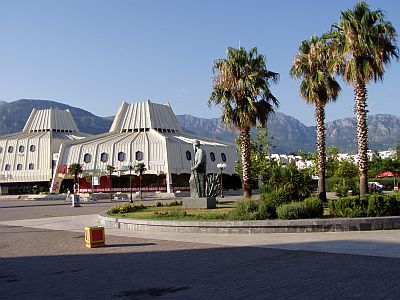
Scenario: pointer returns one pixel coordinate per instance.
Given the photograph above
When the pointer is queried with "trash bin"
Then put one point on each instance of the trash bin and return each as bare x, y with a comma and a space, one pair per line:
95, 237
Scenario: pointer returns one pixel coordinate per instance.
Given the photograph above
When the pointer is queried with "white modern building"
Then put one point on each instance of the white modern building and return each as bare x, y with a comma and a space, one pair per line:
146, 133
28, 158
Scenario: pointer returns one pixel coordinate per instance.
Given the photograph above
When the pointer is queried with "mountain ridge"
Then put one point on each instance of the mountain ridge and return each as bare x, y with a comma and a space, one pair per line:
289, 134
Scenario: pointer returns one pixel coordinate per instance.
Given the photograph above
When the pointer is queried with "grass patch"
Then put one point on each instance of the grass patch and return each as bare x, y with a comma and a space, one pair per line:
177, 212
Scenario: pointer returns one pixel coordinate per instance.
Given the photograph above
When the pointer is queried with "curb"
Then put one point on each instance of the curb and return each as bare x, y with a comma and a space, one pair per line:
249, 227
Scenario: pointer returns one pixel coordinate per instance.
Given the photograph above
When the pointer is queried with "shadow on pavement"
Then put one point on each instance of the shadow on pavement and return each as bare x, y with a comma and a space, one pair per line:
210, 273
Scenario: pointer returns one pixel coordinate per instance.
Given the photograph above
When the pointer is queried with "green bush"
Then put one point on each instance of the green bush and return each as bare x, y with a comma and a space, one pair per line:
349, 207
314, 207
331, 183
174, 203
344, 186
291, 211
383, 205
125, 208
175, 213
277, 198
245, 210
266, 210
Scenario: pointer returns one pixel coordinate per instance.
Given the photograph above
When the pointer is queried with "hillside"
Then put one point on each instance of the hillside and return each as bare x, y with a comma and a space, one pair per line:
15, 114
289, 134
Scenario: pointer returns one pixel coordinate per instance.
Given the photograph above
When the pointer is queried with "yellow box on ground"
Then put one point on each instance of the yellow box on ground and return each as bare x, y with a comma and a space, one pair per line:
95, 237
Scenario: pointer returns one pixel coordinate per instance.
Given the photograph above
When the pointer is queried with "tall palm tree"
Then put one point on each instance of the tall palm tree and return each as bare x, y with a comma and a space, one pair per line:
318, 87
75, 169
140, 168
364, 43
242, 87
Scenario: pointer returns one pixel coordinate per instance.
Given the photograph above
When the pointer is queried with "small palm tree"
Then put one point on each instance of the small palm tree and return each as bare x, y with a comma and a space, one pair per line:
241, 87
110, 170
75, 169
364, 43
318, 87
140, 168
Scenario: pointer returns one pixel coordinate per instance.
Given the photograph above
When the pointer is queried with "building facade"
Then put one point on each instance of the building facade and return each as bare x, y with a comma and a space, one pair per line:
28, 159
146, 133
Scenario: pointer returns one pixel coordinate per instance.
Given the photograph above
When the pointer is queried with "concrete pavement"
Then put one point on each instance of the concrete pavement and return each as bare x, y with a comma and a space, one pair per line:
42, 256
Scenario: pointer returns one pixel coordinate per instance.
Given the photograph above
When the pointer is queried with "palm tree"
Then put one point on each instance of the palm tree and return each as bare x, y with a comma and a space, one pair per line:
364, 43
75, 169
242, 87
318, 87
140, 168
110, 169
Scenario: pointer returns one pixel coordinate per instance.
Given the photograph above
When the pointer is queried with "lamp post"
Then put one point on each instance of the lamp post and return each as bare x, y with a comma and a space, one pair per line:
130, 166
221, 167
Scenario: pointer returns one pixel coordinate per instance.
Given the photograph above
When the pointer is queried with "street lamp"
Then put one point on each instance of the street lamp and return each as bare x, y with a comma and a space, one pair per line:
221, 167
130, 166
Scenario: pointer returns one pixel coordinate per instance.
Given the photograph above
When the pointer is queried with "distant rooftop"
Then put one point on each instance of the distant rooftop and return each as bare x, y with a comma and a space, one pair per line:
53, 120
137, 117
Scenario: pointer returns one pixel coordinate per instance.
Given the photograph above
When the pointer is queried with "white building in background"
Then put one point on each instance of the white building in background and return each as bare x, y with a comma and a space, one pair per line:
28, 158
149, 133
146, 133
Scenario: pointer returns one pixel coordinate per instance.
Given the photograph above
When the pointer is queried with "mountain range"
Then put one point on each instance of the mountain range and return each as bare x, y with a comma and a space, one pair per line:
289, 134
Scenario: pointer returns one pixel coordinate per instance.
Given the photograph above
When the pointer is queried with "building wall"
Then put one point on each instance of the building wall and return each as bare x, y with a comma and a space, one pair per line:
29, 160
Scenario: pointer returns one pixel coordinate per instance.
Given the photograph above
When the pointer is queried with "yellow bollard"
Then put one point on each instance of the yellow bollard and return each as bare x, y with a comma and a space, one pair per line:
95, 237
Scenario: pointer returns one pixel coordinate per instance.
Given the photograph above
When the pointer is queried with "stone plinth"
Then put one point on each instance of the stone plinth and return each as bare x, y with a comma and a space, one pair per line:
206, 202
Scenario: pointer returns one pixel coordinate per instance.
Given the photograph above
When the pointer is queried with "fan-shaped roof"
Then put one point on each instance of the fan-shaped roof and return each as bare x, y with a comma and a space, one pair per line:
136, 117
50, 120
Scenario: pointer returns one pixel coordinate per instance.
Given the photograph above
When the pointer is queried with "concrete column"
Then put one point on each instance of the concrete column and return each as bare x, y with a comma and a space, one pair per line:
168, 178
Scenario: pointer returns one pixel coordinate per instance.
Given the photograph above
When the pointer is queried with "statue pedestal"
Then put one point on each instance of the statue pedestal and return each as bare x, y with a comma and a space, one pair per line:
206, 202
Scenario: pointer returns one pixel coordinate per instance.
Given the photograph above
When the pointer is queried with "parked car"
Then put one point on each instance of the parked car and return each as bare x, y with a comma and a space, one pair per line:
375, 186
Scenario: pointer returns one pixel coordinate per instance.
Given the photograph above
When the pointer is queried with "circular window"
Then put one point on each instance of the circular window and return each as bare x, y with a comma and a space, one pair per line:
32, 148
7, 168
223, 157
19, 167
21, 149
212, 156
31, 166
10, 149
139, 155
87, 158
104, 157
188, 155
121, 156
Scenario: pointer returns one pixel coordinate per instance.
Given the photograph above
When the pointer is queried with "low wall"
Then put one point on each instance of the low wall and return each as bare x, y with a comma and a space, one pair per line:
264, 226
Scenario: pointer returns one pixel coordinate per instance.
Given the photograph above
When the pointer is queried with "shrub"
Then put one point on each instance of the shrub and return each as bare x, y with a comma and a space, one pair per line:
344, 186
175, 213
245, 210
174, 203
159, 204
266, 210
383, 205
349, 207
277, 198
314, 207
126, 208
290, 211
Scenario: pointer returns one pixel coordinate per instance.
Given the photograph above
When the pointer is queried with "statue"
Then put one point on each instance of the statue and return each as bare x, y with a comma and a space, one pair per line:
197, 179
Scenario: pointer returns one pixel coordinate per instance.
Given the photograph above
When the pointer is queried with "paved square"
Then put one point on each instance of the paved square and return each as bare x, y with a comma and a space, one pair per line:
40, 261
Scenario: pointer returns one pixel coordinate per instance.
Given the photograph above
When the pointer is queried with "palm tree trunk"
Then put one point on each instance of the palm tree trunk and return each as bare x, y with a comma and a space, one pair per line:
246, 162
362, 135
320, 122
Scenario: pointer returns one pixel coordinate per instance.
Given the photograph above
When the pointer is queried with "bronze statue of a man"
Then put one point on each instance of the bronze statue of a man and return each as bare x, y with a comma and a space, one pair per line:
198, 177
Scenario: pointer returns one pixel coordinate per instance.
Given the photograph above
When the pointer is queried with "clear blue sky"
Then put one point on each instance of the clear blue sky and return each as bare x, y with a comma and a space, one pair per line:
95, 54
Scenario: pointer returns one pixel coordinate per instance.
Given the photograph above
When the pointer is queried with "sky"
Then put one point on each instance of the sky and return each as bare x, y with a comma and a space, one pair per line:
96, 54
